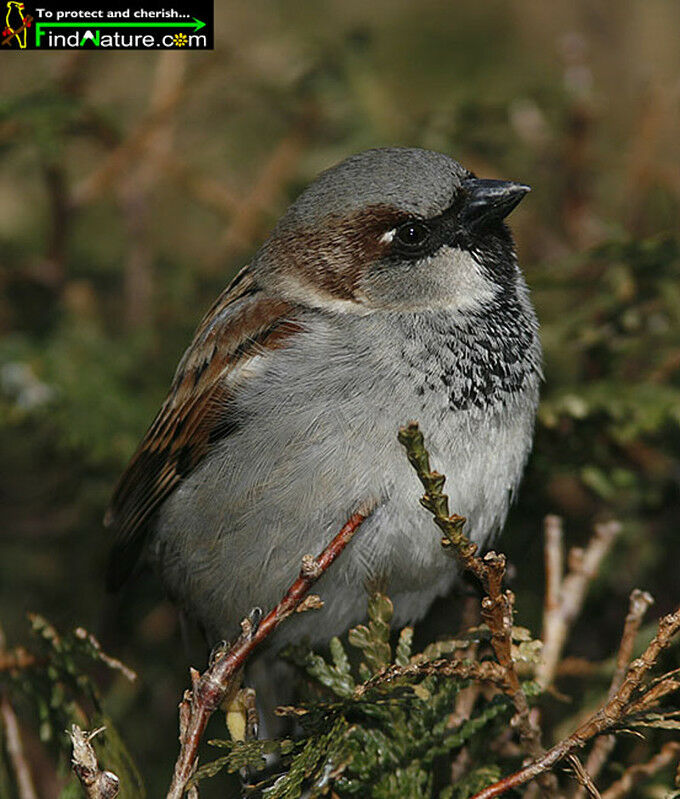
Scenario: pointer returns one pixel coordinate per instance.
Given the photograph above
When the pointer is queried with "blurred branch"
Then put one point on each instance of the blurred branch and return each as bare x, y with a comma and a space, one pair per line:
209, 689
138, 183
15, 750
14, 746
54, 271
97, 784
669, 754
277, 169
628, 699
466, 699
643, 169
113, 663
202, 188
565, 594
18, 659
167, 101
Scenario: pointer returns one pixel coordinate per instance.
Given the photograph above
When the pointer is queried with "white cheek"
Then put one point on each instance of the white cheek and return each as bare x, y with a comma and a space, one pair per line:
305, 294
460, 279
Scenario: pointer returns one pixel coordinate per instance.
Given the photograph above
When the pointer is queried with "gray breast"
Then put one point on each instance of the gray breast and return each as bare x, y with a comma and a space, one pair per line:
320, 438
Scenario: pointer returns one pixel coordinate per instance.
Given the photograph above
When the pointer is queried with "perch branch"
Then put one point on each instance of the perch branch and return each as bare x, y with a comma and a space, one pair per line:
611, 715
210, 688
497, 605
97, 784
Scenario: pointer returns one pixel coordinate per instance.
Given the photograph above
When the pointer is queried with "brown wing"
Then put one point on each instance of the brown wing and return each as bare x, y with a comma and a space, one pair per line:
198, 411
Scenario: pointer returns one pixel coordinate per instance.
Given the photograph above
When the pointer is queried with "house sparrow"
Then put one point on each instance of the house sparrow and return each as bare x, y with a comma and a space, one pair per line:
388, 292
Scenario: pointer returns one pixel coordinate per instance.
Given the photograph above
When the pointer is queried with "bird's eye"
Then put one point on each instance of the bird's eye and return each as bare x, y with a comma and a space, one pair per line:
412, 235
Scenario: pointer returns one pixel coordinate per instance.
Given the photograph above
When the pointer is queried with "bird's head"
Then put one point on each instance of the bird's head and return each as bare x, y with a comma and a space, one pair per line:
395, 229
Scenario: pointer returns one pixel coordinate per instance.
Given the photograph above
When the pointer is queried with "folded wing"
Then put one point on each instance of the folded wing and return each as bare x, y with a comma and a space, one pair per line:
199, 411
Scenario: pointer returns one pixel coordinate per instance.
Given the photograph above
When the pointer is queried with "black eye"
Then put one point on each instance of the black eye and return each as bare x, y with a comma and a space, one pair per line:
412, 235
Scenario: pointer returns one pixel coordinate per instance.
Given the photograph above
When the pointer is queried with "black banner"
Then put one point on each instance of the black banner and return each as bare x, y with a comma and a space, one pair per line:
153, 25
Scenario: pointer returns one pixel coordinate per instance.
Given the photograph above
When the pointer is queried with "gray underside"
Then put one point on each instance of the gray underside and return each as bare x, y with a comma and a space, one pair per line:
318, 439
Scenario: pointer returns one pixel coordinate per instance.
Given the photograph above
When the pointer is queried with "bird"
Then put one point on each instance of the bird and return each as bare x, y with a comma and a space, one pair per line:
15, 22
389, 291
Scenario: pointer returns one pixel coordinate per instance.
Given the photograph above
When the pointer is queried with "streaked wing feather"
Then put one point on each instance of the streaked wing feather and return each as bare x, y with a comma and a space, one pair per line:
198, 411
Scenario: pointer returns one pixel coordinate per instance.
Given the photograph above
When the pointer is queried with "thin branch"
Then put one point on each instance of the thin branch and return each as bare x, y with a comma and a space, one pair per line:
210, 688
111, 662
640, 602
15, 750
18, 659
467, 697
133, 145
611, 715
497, 605
276, 170
584, 779
136, 186
565, 596
668, 755
485, 672
97, 784
204, 189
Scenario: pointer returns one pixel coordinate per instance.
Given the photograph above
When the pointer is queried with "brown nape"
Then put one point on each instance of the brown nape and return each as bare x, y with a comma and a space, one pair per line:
331, 259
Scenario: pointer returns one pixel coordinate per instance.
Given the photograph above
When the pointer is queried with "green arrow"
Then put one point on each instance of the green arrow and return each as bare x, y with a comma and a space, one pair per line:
196, 24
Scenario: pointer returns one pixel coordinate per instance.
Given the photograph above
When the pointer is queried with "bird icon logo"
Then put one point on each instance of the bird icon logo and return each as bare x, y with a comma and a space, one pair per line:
16, 23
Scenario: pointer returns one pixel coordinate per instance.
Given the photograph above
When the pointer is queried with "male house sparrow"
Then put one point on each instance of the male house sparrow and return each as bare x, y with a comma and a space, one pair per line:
389, 291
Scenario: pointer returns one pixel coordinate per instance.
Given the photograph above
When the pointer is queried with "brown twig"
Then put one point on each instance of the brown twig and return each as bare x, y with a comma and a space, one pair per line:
276, 170
53, 271
132, 146
584, 779
15, 750
210, 688
485, 672
497, 605
669, 753
204, 189
18, 659
111, 662
640, 602
136, 186
565, 594
611, 715
467, 697
97, 783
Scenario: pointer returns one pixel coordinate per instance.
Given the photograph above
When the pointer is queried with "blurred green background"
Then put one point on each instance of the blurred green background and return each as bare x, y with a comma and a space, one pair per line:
134, 185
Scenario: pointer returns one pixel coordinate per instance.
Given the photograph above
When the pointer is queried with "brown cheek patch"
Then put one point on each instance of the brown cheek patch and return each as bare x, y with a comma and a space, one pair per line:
332, 259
